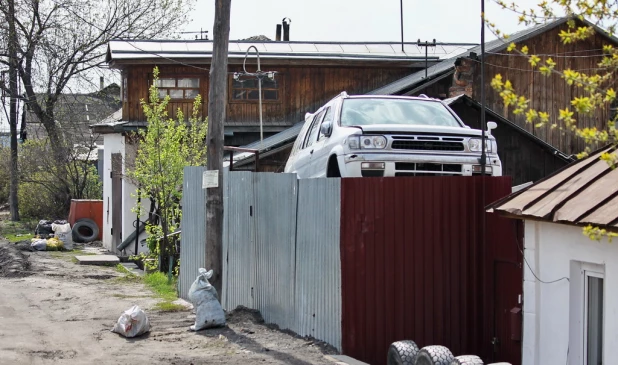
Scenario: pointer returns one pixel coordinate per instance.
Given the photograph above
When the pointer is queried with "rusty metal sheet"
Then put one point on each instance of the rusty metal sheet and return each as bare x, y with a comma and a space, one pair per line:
414, 265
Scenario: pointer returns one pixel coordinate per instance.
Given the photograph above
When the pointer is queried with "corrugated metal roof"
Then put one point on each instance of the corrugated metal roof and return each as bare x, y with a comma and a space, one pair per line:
119, 50
284, 137
493, 46
585, 192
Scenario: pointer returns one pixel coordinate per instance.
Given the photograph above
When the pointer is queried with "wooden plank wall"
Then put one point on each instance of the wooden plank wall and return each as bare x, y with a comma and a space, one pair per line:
304, 90
547, 93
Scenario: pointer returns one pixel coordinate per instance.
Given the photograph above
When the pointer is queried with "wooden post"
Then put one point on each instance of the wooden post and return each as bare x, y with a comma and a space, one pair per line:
217, 102
13, 92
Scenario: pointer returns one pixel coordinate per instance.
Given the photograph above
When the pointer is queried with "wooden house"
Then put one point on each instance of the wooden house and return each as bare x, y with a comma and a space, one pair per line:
461, 75
306, 75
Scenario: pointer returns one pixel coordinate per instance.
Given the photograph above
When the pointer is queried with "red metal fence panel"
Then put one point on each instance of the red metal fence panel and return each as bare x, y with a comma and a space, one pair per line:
414, 265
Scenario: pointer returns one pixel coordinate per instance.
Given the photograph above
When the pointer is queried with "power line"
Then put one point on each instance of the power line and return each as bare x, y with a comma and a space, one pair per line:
166, 58
556, 55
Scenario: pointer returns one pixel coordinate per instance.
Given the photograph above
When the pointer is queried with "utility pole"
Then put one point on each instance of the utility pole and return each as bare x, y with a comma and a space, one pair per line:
13, 92
426, 45
401, 19
217, 101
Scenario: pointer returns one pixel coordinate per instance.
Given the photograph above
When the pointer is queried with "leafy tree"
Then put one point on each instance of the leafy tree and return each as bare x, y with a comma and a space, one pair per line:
595, 88
165, 148
47, 187
55, 46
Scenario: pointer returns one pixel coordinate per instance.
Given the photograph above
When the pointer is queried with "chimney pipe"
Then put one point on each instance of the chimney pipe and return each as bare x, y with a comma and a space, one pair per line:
286, 29
278, 37
101, 83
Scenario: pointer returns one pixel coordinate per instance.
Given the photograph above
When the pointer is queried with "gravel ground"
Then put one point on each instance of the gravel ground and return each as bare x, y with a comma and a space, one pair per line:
53, 311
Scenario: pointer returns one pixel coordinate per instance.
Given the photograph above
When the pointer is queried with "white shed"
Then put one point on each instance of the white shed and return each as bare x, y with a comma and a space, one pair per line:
570, 303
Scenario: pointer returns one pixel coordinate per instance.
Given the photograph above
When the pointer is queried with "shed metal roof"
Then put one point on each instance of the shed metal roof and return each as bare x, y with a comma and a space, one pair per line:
120, 50
405, 84
584, 192
280, 139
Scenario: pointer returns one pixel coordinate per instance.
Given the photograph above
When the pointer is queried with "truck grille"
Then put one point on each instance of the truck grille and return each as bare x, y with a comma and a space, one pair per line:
427, 145
426, 169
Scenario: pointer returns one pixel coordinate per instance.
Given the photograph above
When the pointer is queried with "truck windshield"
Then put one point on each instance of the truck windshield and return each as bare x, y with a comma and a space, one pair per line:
358, 112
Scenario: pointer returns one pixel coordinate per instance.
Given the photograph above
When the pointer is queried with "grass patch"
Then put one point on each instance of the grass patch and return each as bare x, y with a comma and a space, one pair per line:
17, 231
14, 238
123, 270
169, 307
157, 281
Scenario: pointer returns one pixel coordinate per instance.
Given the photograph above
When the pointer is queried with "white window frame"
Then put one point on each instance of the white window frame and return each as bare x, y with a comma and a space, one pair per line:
578, 318
588, 272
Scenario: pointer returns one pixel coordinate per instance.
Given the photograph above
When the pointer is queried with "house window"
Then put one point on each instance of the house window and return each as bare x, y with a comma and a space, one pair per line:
593, 318
247, 90
178, 88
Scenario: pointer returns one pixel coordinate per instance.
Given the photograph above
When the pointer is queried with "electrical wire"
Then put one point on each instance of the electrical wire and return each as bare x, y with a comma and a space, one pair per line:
535, 71
165, 58
532, 271
548, 55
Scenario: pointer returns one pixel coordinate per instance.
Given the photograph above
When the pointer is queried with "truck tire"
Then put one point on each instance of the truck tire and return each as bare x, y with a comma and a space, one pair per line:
85, 230
434, 355
467, 360
402, 353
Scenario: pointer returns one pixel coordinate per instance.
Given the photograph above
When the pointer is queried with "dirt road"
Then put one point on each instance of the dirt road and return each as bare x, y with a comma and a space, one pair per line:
53, 311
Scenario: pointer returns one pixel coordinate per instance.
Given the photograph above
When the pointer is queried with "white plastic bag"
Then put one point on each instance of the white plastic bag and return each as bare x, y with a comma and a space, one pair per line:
204, 297
39, 245
133, 322
63, 232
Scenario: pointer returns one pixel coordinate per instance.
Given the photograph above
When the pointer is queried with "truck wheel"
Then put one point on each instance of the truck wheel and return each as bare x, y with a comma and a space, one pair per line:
333, 168
467, 360
434, 355
402, 353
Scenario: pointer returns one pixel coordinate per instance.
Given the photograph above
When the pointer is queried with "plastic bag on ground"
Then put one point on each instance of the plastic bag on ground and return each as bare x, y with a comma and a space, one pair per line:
64, 234
54, 244
209, 312
133, 322
39, 244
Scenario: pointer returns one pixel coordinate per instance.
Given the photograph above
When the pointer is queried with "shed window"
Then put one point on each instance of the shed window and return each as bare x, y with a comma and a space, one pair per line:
179, 88
248, 90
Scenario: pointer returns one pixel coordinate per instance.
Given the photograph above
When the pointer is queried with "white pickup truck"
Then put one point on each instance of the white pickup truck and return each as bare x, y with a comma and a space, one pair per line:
376, 136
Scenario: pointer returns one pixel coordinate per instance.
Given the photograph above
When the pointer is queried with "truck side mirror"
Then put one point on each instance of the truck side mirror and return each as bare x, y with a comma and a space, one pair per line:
490, 126
326, 128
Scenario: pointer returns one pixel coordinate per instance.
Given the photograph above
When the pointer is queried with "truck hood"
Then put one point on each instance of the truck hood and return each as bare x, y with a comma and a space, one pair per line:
421, 129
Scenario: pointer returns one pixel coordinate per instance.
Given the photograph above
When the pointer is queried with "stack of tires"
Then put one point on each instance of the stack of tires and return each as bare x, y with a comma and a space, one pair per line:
408, 353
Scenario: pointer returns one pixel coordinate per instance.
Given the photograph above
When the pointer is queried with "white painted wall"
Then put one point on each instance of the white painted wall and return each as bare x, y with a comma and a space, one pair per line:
112, 143
551, 311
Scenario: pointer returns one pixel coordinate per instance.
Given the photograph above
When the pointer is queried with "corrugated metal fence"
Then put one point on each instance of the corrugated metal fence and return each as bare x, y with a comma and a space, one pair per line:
415, 266
281, 251
192, 249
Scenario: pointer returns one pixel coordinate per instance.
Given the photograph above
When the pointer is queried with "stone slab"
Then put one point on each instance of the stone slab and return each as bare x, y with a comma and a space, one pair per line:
104, 260
346, 360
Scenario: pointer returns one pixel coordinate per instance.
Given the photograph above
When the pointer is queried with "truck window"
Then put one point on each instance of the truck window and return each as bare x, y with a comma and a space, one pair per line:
313, 131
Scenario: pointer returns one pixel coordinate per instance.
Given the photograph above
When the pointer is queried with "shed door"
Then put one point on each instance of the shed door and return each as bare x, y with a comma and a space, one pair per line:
116, 200
507, 312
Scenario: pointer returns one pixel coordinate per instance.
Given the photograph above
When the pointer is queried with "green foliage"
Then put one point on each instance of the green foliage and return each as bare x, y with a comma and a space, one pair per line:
158, 282
47, 186
592, 89
165, 148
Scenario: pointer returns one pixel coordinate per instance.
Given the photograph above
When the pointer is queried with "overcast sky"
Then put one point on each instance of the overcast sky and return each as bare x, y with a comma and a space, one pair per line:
360, 20
355, 20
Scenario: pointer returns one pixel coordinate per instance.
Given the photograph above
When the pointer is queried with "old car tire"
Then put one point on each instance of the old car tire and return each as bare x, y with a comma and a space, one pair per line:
85, 230
402, 353
467, 360
434, 355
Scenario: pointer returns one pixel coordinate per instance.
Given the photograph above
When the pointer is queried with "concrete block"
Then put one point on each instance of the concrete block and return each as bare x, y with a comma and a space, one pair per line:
101, 260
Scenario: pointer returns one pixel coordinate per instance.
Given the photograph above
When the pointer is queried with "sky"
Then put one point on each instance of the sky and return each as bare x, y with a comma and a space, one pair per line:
353, 20
360, 20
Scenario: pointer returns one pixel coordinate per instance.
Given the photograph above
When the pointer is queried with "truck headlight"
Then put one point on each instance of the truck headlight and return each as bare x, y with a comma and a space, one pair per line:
372, 142
474, 145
